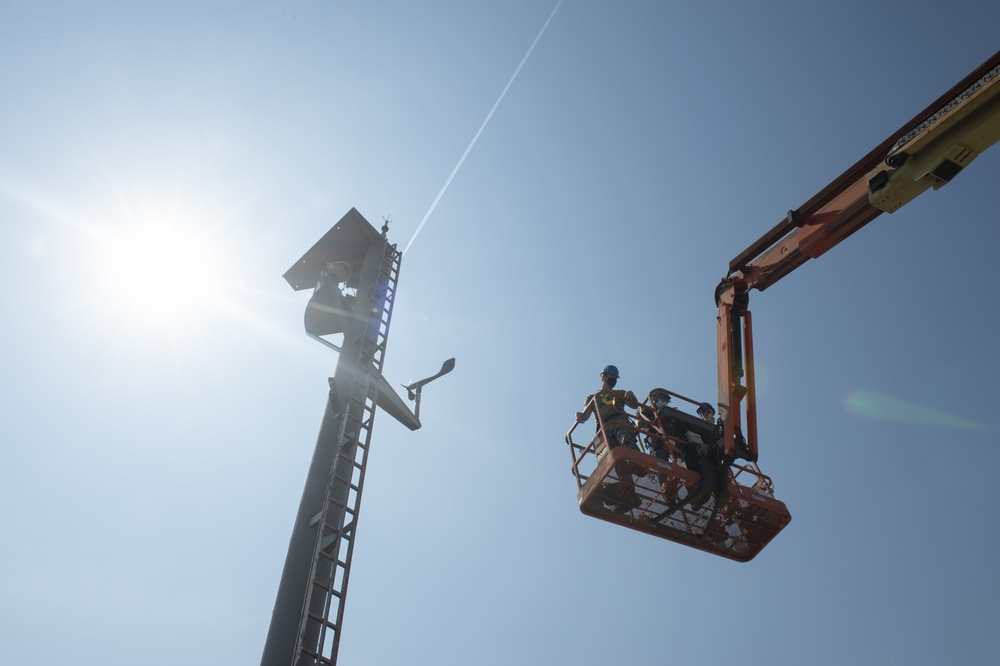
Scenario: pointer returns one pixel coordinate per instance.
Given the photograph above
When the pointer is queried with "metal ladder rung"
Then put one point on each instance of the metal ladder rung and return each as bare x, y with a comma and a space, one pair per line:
326, 556
335, 545
323, 621
318, 657
329, 589
341, 479
333, 528
333, 539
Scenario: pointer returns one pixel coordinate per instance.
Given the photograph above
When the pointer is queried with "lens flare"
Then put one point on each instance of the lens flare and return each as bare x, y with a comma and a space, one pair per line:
876, 406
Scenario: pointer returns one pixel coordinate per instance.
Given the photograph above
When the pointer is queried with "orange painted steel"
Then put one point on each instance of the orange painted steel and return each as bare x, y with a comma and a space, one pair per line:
751, 386
840, 208
650, 494
832, 215
662, 497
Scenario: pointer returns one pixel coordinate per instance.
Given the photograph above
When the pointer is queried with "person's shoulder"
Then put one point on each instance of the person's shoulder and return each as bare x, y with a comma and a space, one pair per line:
625, 396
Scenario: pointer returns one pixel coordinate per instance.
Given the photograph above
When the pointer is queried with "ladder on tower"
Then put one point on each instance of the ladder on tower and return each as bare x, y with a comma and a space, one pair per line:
336, 525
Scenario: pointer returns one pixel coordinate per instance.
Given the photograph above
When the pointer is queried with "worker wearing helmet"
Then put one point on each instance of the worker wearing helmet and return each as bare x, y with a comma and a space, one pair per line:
710, 461
660, 401
611, 406
707, 414
618, 431
659, 398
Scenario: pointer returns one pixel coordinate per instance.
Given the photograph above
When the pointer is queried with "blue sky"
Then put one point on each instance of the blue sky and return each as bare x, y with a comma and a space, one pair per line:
164, 164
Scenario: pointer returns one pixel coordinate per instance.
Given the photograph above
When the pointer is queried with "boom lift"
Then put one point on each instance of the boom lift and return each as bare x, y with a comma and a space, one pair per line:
659, 495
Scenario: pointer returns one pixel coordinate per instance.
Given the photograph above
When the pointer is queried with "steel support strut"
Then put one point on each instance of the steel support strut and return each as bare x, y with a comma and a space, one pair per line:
309, 609
734, 348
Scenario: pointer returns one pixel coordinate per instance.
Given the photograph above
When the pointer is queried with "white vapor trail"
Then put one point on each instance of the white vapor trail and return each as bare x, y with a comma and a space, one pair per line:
481, 128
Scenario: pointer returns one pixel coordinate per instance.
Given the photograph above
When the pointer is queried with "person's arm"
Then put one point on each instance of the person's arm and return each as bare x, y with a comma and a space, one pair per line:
585, 414
630, 399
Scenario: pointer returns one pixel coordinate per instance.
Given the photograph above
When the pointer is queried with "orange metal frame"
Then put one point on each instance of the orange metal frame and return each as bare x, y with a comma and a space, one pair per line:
661, 497
649, 494
829, 217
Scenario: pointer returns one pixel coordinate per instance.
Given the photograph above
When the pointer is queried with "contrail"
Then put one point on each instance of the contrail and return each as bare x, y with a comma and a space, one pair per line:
481, 128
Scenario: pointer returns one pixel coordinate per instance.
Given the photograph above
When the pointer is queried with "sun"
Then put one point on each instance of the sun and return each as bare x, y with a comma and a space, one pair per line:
160, 276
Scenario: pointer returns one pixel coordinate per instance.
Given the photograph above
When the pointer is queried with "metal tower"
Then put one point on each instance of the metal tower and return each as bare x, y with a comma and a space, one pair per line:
354, 271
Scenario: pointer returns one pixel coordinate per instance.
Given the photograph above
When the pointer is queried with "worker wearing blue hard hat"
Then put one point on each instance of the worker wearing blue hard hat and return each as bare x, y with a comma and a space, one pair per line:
611, 404
659, 400
619, 430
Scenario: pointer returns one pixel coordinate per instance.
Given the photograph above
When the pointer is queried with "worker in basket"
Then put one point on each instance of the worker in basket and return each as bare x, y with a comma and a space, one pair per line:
655, 438
709, 460
611, 404
618, 431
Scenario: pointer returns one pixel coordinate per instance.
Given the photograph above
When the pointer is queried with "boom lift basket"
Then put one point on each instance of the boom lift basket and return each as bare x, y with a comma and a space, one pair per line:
650, 494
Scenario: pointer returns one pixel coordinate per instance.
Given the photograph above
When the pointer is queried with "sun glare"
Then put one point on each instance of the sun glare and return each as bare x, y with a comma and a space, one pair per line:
163, 277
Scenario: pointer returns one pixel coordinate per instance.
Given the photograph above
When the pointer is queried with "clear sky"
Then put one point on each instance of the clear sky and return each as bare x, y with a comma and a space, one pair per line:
162, 164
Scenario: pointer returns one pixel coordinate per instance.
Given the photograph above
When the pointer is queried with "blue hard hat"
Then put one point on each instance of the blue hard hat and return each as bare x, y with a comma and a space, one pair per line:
610, 370
705, 408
